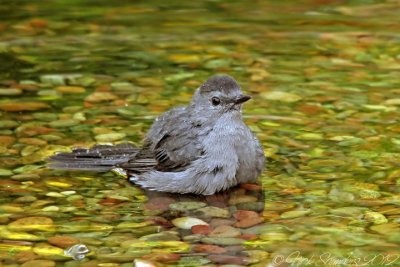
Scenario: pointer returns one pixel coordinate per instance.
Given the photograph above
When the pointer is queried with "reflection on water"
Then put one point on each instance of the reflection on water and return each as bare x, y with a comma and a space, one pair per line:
324, 80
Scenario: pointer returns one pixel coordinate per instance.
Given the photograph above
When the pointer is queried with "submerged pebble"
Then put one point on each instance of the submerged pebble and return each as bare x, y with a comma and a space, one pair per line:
187, 222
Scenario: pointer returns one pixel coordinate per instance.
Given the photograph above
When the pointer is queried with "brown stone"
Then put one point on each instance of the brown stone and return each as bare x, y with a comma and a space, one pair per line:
249, 222
63, 241
32, 141
37, 263
162, 257
6, 140
23, 106
245, 214
24, 256
251, 187
225, 231
212, 249
201, 229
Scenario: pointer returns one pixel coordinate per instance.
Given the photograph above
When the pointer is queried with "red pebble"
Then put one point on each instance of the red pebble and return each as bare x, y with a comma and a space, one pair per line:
245, 214
251, 187
203, 248
109, 201
201, 229
159, 203
162, 257
249, 222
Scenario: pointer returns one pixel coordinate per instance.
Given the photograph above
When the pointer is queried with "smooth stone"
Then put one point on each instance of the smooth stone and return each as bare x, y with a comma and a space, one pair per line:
26, 199
48, 251
186, 205
24, 256
101, 97
395, 237
294, 214
228, 259
54, 194
130, 225
245, 214
72, 227
192, 238
274, 236
393, 102
34, 223
11, 235
369, 194
5, 172
39, 263
249, 222
225, 231
23, 106
51, 209
143, 263
187, 222
253, 206
201, 229
217, 63
222, 241
281, 96
163, 236
162, 257
348, 211
70, 89
59, 79
310, 137
63, 123
42, 116
25, 177
375, 217
63, 241
6, 140
210, 249
256, 255
215, 212
386, 228
219, 221
193, 261
10, 208
110, 137
264, 228
10, 91
8, 124
29, 150
242, 199
32, 141
116, 239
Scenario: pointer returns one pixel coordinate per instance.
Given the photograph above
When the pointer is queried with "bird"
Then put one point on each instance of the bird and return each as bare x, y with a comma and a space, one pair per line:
202, 148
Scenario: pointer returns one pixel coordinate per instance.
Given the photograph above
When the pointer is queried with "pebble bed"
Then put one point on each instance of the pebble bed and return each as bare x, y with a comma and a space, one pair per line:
324, 76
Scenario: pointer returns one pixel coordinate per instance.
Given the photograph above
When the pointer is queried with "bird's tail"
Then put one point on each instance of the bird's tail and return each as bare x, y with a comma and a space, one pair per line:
99, 158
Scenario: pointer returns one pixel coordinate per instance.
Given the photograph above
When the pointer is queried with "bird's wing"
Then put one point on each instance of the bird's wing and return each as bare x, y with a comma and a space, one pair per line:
171, 144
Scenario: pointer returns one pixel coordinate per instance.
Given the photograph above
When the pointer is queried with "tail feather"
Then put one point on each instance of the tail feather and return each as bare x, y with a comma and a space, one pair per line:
99, 158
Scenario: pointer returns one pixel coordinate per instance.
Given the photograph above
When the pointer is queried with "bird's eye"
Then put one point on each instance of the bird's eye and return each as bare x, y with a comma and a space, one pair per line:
215, 101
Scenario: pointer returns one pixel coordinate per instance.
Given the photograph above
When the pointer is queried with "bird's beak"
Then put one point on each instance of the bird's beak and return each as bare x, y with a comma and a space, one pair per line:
241, 99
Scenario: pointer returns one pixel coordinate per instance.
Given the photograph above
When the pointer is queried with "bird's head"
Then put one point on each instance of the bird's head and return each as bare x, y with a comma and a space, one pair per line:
218, 95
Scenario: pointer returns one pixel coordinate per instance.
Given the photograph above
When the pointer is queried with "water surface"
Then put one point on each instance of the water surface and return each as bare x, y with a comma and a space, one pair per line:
326, 97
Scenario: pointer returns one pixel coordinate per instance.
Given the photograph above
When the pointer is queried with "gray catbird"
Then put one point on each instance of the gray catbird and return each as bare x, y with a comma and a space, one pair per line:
201, 148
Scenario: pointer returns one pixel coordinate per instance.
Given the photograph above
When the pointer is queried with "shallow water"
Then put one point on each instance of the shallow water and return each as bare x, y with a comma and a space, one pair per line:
326, 99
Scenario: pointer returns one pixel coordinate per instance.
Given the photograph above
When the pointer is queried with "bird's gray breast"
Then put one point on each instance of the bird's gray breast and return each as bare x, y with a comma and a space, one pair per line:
234, 136
246, 148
